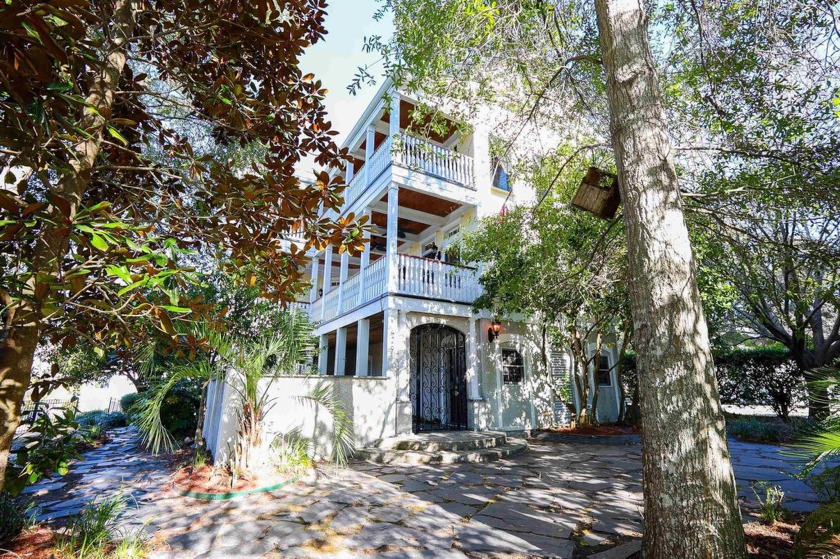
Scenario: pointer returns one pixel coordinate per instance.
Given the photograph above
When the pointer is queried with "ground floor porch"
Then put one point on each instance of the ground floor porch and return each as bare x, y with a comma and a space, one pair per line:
416, 366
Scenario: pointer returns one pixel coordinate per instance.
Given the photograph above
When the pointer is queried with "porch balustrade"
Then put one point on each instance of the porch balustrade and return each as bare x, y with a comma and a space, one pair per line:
434, 279
416, 276
415, 154
435, 160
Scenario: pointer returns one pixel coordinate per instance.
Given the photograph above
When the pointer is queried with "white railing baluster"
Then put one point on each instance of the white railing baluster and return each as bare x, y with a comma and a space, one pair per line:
424, 156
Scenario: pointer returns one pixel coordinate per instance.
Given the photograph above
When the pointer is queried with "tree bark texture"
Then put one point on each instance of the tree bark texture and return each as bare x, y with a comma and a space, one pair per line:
18, 349
690, 494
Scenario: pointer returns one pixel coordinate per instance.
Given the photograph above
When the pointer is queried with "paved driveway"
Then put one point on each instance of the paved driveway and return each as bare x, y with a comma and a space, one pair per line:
557, 500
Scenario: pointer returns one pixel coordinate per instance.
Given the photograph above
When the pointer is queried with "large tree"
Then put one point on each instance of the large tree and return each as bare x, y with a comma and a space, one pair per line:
122, 125
537, 61
691, 505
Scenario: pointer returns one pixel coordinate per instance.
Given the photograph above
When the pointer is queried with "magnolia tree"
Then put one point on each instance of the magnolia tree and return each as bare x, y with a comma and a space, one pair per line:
134, 134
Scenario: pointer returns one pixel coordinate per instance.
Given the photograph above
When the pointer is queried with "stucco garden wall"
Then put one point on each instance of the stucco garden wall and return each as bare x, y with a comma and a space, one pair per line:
369, 401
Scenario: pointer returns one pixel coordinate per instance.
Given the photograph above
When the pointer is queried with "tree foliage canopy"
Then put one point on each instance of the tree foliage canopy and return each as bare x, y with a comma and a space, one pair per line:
135, 134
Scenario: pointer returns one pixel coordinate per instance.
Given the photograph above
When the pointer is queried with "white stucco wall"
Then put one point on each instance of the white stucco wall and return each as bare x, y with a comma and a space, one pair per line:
369, 401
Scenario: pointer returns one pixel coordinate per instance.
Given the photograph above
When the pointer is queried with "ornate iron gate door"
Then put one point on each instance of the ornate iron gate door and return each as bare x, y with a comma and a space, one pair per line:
438, 378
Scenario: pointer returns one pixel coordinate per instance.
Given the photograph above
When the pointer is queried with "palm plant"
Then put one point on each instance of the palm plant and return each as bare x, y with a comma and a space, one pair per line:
822, 443
257, 362
819, 446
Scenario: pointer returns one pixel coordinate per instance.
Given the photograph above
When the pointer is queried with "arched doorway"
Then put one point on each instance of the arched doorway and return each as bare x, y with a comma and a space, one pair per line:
438, 378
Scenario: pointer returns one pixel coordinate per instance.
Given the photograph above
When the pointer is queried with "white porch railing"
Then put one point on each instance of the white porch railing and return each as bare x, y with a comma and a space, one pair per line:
380, 159
357, 185
435, 160
302, 306
375, 281
315, 309
369, 172
350, 298
435, 279
330, 304
413, 153
416, 276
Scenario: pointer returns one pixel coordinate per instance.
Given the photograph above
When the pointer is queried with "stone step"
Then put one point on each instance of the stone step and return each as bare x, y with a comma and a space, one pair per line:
390, 456
454, 441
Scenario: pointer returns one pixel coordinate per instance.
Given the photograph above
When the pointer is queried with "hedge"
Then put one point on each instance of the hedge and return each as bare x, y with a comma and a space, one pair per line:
749, 377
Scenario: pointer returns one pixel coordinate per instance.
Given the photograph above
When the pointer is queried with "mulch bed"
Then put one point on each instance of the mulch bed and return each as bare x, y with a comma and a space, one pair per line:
603, 430
207, 479
772, 542
35, 543
768, 542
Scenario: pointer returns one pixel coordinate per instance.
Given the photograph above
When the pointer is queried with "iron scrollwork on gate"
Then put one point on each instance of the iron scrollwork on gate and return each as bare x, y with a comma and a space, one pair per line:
438, 378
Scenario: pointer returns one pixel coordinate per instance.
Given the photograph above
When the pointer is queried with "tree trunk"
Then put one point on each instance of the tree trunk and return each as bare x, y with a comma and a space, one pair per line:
18, 349
199, 426
596, 386
690, 495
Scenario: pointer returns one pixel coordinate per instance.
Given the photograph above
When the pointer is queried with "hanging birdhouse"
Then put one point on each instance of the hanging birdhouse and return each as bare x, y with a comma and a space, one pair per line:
598, 193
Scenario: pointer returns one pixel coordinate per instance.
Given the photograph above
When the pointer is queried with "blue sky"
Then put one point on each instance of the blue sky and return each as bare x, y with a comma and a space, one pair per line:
335, 59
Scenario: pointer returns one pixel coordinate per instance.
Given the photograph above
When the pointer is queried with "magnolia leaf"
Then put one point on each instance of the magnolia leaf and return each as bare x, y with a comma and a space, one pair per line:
98, 242
113, 132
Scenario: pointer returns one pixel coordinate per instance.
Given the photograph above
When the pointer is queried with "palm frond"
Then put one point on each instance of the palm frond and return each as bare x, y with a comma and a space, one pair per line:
344, 441
822, 441
155, 435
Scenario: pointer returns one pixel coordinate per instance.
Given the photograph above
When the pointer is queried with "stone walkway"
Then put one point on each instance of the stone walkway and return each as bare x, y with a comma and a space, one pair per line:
117, 467
557, 500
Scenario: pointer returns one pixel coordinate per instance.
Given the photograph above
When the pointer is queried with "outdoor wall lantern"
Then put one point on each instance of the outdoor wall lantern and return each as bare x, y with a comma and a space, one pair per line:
494, 331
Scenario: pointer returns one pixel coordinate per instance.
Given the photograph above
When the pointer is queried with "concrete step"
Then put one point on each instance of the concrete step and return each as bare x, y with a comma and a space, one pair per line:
453, 441
391, 456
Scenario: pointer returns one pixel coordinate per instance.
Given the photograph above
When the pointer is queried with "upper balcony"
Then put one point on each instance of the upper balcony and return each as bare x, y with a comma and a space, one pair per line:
385, 147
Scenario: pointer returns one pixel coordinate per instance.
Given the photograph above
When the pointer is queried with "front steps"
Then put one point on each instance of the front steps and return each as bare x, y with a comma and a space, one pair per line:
443, 448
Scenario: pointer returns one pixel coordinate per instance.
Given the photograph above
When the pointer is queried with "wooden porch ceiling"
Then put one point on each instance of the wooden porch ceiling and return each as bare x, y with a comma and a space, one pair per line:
375, 335
419, 201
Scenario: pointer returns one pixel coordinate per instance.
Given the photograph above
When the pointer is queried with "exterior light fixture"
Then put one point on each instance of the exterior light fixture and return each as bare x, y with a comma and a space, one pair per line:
494, 331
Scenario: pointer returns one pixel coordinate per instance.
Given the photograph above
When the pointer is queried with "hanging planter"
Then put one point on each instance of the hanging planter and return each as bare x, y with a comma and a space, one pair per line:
598, 193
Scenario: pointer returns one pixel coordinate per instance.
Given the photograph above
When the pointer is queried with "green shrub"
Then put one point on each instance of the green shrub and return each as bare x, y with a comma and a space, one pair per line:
103, 419
128, 401
179, 410
96, 533
50, 444
817, 536
14, 516
770, 506
754, 430
94, 527
825, 482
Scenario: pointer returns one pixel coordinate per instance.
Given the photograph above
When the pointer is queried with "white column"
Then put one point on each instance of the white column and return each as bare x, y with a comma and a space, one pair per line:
350, 167
389, 325
472, 362
391, 262
324, 354
394, 117
365, 257
362, 347
370, 140
342, 278
327, 277
313, 293
340, 351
